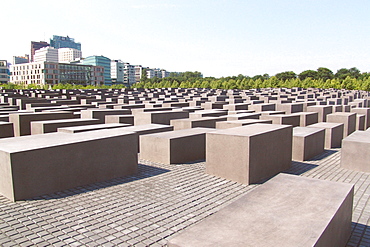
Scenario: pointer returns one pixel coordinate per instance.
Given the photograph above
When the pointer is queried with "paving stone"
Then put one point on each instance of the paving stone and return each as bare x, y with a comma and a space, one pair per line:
147, 208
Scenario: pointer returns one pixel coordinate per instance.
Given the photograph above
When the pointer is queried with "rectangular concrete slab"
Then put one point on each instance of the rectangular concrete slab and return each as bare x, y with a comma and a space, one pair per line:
238, 123
307, 142
249, 153
159, 117
333, 133
290, 119
34, 165
22, 121
6, 129
188, 123
48, 126
174, 147
346, 118
355, 153
286, 211
92, 127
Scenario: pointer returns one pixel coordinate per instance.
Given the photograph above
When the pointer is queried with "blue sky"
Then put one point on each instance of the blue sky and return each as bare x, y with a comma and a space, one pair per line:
217, 38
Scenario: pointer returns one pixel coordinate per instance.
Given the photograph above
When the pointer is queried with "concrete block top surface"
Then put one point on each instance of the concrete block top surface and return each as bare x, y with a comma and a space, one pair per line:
345, 114
251, 130
24, 143
247, 121
319, 107
5, 123
68, 120
305, 131
358, 136
36, 113
93, 127
287, 210
326, 125
181, 133
146, 127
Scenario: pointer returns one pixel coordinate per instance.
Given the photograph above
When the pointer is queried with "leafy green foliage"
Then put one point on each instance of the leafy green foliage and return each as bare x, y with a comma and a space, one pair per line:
351, 79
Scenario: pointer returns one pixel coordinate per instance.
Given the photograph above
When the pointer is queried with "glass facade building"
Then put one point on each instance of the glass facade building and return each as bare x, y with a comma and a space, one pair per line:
4, 72
103, 62
64, 42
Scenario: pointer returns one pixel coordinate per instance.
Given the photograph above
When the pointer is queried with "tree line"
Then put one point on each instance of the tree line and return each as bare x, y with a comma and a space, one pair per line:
351, 79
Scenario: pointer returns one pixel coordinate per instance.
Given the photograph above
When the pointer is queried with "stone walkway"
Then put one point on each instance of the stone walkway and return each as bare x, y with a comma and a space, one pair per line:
146, 209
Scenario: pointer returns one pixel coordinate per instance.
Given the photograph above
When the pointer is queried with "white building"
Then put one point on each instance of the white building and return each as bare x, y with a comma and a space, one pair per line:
129, 74
138, 73
122, 73
66, 55
159, 73
50, 73
46, 54
117, 71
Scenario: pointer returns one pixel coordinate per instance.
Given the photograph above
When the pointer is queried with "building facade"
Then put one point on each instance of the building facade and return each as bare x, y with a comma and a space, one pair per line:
102, 62
46, 54
139, 72
20, 59
117, 71
159, 73
49, 73
64, 42
37, 45
129, 74
67, 55
4, 72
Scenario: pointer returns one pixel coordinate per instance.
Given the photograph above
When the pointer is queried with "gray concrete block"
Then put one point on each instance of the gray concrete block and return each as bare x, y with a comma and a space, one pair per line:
307, 143
286, 211
243, 116
204, 122
92, 127
333, 133
288, 119
355, 153
6, 129
346, 118
48, 126
307, 118
125, 119
366, 112
290, 108
101, 113
158, 117
240, 154
262, 107
174, 147
239, 123
22, 121
322, 110
34, 165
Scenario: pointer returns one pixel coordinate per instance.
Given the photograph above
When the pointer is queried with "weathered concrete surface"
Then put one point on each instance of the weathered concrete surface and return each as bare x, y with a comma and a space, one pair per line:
34, 165
174, 147
333, 133
286, 211
249, 153
307, 143
356, 151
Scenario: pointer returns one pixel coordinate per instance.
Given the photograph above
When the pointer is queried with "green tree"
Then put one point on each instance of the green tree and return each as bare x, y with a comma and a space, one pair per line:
344, 73
287, 75
325, 73
309, 73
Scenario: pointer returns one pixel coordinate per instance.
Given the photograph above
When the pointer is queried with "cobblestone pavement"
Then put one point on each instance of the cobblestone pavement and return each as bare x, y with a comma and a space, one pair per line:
146, 209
